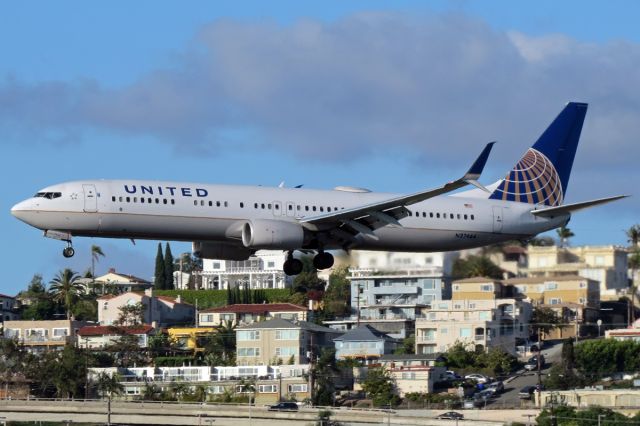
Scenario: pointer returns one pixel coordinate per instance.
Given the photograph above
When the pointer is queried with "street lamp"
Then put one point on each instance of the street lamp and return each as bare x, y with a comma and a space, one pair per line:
599, 322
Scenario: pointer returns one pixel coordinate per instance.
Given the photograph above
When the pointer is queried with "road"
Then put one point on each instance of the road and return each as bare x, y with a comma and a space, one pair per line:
552, 353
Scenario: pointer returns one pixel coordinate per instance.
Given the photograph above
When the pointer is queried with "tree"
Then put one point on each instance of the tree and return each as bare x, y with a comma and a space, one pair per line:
159, 279
307, 279
69, 372
541, 241
96, 254
41, 306
130, 315
379, 386
564, 234
634, 265
633, 235
408, 346
221, 348
476, 266
66, 289
323, 373
168, 268
544, 320
109, 384
337, 298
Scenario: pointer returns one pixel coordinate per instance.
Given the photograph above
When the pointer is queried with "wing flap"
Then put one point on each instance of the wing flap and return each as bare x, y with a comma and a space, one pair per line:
568, 208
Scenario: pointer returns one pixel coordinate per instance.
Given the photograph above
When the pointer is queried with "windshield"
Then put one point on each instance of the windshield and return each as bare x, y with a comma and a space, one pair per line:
49, 195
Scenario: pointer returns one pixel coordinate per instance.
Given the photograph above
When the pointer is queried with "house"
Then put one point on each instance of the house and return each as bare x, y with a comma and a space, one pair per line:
631, 333
262, 270
98, 337
161, 310
121, 283
414, 373
281, 341
243, 314
477, 288
364, 343
192, 338
39, 336
478, 324
8, 308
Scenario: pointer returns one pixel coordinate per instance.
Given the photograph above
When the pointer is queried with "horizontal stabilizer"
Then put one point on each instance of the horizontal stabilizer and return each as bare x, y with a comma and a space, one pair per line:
569, 208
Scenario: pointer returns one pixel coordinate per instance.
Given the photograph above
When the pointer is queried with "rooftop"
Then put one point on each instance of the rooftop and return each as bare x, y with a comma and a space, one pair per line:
540, 280
110, 330
256, 308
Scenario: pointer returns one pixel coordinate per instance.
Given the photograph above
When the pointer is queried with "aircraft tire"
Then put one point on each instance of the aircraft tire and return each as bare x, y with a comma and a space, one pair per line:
292, 266
68, 252
323, 260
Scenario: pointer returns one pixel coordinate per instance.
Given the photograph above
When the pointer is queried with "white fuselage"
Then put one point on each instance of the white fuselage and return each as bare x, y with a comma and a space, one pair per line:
216, 213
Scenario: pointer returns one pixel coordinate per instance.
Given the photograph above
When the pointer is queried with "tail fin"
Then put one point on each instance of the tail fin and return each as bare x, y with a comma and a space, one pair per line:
542, 174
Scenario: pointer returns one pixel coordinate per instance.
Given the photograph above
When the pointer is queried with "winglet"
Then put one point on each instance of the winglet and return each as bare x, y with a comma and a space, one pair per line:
476, 168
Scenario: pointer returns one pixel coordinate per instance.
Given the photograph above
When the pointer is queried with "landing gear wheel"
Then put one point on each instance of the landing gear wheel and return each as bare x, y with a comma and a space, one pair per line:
68, 252
292, 266
323, 260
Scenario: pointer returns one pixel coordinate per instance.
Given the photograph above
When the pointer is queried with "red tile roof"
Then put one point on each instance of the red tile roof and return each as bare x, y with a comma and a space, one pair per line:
111, 330
258, 308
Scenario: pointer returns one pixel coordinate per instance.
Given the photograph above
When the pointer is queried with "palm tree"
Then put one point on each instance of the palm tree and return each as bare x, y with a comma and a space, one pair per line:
633, 235
109, 384
96, 253
66, 289
564, 234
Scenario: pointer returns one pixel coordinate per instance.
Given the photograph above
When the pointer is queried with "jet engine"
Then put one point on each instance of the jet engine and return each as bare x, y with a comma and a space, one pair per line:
222, 251
272, 234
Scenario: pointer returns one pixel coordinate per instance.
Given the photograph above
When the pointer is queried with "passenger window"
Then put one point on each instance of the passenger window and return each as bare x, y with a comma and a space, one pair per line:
113, 198
328, 209
438, 215
298, 207
173, 201
217, 203
210, 203
430, 214
306, 208
157, 201
128, 199
277, 206
255, 205
164, 201
290, 207
472, 218
321, 208
465, 217
149, 200
269, 206
142, 200
202, 203
226, 204
313, 208
120, 199
458, 215
242, 205
135, 199
195, 202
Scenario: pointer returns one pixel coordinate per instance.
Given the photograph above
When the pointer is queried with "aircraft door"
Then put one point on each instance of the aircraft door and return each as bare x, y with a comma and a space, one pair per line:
498, 219
291, 209
277, 210
90, 198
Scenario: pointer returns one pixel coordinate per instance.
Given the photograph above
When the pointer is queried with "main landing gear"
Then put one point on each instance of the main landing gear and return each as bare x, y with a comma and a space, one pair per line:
293, 266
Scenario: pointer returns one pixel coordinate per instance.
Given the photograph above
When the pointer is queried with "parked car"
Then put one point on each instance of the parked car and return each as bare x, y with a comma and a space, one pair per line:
284, 406
485, 395
526, 392
450, 375
532, 364
450, 415
480, 378
497, 387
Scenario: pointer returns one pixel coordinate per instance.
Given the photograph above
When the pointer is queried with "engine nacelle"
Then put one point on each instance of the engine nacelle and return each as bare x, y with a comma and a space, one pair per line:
222, 251
272, 234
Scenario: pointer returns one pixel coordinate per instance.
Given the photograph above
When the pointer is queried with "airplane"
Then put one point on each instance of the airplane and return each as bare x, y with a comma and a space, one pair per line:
232, 222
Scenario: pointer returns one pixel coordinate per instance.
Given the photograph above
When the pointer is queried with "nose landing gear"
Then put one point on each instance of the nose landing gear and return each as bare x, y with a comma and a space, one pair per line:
68, 251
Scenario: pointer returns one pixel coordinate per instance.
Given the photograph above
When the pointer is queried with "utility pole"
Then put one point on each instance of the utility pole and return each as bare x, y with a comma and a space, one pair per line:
539, 367
312, 371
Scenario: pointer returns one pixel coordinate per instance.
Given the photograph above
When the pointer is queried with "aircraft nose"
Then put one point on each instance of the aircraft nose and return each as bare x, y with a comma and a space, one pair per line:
21, 210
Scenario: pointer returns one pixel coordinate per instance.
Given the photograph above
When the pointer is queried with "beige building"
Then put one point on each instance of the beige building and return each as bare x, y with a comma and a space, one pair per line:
604, 264
476, 288
161, 310
243, 314
557, 290
279, 340
413, 373
38, 336
631, 333
478, 324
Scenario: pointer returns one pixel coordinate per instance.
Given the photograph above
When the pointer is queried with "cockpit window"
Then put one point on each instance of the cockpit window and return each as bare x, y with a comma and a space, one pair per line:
49, 195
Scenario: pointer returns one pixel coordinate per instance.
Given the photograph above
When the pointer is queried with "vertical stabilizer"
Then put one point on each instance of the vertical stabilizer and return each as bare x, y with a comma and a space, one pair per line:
542, 174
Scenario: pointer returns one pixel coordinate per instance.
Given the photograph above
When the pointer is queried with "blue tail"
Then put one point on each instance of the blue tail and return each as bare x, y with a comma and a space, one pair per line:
542, 174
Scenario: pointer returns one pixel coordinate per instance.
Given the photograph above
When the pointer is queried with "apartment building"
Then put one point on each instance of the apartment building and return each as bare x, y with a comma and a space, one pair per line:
161, 310
262, 270
414, 373
39, 336
8, 308
605, 264
243, 314
478, 324
120, 282
281, 341
477, 288
272, 382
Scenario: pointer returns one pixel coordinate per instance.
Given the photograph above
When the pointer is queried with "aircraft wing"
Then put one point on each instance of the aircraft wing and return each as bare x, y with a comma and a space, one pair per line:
568, 208
364, 219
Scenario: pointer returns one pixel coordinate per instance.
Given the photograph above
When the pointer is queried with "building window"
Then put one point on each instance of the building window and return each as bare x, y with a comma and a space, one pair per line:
551, 286
486, 287
287, 334
244, 335
267, 388
287, 351
298, 387
248, 351
206, 318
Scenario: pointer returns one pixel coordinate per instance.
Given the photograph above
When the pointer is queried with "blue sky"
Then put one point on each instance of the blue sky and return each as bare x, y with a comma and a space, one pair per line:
393, 96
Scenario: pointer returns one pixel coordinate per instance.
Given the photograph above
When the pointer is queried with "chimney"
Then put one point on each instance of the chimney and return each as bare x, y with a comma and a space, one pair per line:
112, 270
